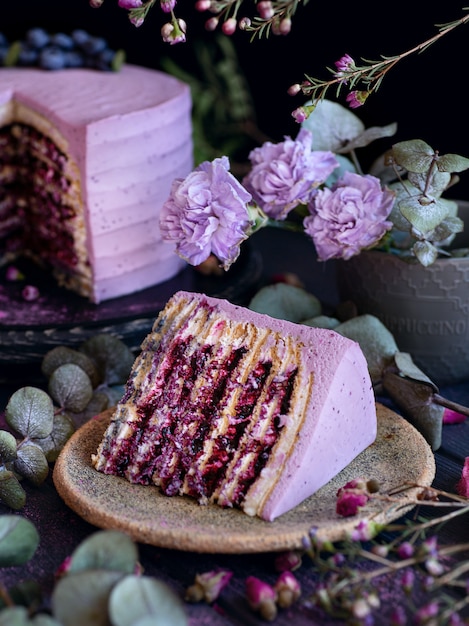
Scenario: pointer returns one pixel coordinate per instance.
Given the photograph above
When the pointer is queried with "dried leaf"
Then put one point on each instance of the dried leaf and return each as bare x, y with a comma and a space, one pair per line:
7, 447
12, 493
112, 358
70, 387
286, 302
31, 462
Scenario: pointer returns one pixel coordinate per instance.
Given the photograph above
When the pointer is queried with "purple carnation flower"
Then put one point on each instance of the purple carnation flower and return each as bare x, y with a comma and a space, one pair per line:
349, 217
286, 174
207, 213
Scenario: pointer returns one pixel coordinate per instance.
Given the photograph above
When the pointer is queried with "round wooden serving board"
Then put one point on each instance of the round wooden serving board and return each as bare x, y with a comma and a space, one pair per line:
399, 454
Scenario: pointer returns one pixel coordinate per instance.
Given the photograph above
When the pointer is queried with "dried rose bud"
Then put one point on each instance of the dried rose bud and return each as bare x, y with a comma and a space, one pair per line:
262, 598
453, 417
208, 586
288, 590
463, 485
288, 561
30, 293
13, 273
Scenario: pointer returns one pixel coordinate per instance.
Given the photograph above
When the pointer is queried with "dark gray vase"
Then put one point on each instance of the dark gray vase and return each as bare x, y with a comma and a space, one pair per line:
426, 309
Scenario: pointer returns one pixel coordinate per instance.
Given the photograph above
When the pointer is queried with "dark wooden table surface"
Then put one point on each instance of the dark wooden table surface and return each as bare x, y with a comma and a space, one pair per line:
61, 529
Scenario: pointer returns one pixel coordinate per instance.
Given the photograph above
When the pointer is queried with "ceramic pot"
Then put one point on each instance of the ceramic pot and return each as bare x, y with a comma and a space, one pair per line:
426, 308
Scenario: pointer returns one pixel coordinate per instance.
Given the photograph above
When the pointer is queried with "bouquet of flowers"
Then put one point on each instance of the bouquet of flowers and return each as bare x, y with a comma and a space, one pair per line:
314, 183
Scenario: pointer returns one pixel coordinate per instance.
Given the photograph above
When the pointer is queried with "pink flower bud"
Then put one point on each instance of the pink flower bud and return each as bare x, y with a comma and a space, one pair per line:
203, 5
288, 590
463, 485
244, 23
452, 417
208, 586
299, 115
261, 598
167, 5
357, 99
229, 27
13, 273
136, 21
283, 27
95, 4
130, 4
30, 293
405, 550
265, 9
293, 90
211, 24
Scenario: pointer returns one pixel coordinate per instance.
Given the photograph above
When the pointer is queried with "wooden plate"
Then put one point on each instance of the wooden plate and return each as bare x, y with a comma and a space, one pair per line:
399, 454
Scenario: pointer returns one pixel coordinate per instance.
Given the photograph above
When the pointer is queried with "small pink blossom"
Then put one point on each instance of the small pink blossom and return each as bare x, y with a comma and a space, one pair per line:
287, 174
174, 32
229, 27
365, 530
344, 64
349, 217
206, 214
167, 5
288, 561
463, 485
211, 24
357, 99
453, 417
13, 274
405, 550
203, 5
265, 9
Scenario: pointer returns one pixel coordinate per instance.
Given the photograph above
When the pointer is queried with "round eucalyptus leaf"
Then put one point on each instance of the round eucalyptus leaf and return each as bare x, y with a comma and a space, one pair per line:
141, 599
30, 412
44, 620
99, 402
286, 302
111, 356
62, 431
70, 387
31, 462
7, 447
82, 598
11, 492
107, 550
322, 321
14, 616
19, 540
61, 355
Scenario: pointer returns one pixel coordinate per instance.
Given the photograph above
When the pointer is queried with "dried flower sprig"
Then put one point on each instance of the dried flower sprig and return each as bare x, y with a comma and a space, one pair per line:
362, 80
349, 570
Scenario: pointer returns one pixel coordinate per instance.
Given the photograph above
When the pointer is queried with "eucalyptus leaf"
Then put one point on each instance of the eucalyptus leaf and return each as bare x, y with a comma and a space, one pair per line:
286, 302
434, 187
14, 616
111, 356
70, 387
452, 163
52, 445
7, 447
322, 321
425, 252
61, 355
136, 599
105, 549
423, 218
26, 593
19, 540
415, 399
407, 368
31, 462
99, 402
12, 493
376, 341
415, 155
30, 412
332, 126
82, 597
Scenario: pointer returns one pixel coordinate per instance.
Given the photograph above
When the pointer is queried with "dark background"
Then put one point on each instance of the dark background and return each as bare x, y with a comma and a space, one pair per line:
426, 93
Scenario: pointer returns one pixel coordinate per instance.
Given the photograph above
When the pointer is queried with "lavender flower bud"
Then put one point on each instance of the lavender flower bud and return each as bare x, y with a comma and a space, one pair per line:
229, 27
167, 5
265, 9
244, 23
30, 293
405, 550
288, 561
203, 5
130, 4
211, 24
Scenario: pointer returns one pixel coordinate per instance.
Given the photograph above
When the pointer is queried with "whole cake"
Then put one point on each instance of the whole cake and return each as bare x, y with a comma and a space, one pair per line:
240, 409
87, 159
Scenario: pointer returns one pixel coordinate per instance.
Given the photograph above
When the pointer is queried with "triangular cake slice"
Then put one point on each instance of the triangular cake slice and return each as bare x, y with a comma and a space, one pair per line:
237, 408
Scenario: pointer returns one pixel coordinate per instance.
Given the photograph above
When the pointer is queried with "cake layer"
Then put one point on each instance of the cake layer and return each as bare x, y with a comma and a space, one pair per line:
240, 409
109, 145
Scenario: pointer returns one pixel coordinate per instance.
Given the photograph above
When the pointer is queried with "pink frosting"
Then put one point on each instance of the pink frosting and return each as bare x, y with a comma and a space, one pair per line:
130, 134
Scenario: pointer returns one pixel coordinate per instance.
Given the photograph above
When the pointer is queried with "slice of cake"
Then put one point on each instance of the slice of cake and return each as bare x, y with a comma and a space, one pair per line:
237, 408
87, 159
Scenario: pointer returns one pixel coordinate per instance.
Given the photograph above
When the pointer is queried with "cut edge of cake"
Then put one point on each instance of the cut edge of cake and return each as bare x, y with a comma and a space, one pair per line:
268, 411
